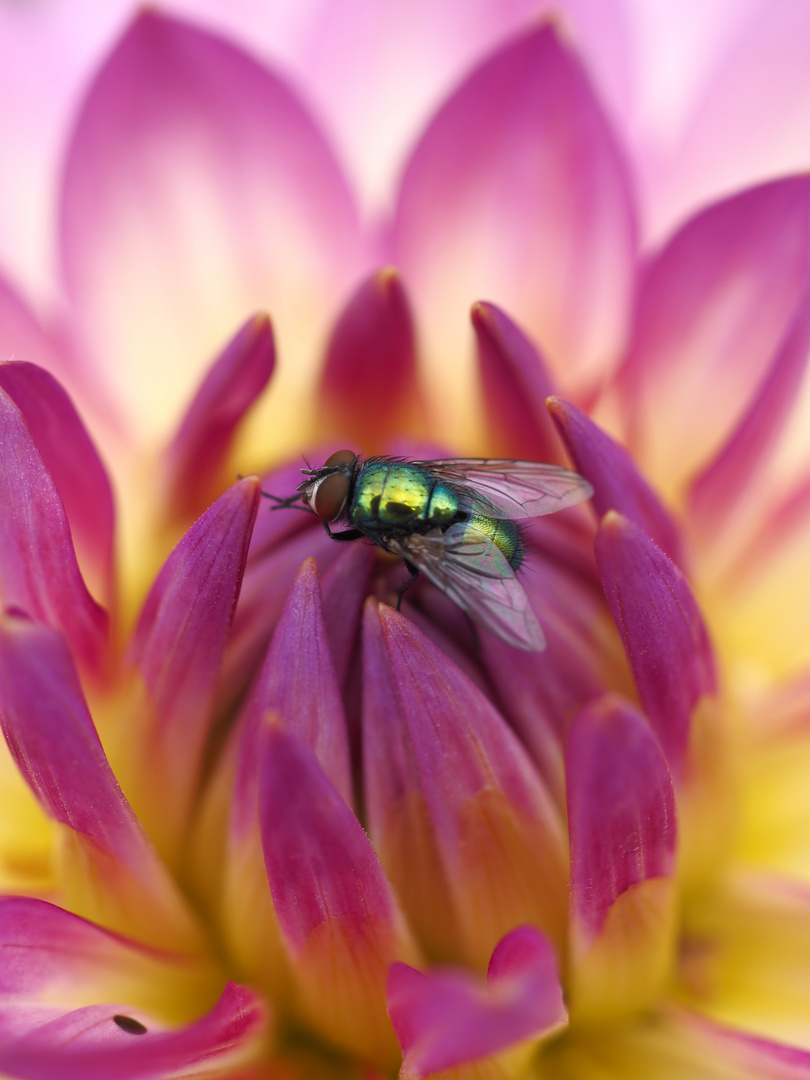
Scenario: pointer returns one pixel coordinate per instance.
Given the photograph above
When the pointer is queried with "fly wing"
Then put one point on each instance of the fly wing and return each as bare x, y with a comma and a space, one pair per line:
469, 568
498, 487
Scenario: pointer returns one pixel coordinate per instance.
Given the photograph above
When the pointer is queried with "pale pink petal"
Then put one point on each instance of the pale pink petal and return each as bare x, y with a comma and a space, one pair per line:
52, 739
198, 455
197, 190
617, 483
455, 807
38, 568
713, 309
78, 473
334, 905
447, 1017
736, 480
515, 385
518, 191
662, 629
173, 664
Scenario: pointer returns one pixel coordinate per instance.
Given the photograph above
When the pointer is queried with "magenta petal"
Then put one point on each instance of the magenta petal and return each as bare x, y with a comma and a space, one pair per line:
197, 189
621, 808
447, 1018
728, 482
662, 630
52, 739
515, 385
47, 1043
518, 190
368, 385
72, 460
176, 653
38, 568
345, 586
713, 309
298, 681
617, 483
320, 864
199, 449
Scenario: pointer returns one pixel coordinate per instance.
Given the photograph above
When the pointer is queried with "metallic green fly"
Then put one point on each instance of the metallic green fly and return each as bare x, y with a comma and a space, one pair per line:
453, 521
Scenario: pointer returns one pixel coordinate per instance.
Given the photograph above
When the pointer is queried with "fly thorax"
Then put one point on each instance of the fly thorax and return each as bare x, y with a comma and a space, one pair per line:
399, 496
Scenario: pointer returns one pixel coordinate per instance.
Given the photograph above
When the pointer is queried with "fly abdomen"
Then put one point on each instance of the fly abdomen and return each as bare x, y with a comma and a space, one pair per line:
505, 535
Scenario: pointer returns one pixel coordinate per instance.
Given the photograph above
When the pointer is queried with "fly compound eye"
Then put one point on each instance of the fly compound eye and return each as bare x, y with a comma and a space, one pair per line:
340, 457
330, 495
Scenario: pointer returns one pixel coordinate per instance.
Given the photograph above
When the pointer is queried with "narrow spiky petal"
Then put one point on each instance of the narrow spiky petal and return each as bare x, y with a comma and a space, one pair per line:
448, 1017
336, 910
106, 867
617, 483
73, 464
38, 569
368, 385
197, 457
464, 826
172, 666
662, 630
297, 681
621, 817
515, 385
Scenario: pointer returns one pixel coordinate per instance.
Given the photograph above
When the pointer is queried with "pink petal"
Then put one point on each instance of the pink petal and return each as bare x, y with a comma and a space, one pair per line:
197, 189
617, 483
751, 1057
518, 190
714, 307
345, 586
731, 481
661, 627
111, 866
454, 806
298, 681
446, 1018
79, 476
515, 384
334, 905
621, 808
88, 1043
368, 386
38, 568
199, 451
174, 664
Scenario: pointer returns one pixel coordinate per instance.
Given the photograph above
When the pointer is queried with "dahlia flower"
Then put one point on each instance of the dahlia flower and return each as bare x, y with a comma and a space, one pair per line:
257, 821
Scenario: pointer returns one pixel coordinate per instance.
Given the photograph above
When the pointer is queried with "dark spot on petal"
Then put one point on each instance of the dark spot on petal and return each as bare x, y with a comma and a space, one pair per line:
130, 1026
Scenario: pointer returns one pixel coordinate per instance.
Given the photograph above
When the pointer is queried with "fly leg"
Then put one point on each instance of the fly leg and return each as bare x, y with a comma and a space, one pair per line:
347, 534
412, 570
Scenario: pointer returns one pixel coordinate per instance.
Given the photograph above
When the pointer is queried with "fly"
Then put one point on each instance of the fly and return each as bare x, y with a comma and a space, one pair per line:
455, 521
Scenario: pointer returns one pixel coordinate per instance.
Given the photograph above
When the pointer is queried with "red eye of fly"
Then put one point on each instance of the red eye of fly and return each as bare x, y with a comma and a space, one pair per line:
333, 491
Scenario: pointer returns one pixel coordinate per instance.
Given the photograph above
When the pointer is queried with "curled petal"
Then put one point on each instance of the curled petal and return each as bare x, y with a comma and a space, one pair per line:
713, 309
446, 1018
335, 908
73, 463
368, 386
464, 825
621, 815
198, 454
194, 172
38, 568
617, 483
515, 385
108, 870
174, 661
518, 190
662, 630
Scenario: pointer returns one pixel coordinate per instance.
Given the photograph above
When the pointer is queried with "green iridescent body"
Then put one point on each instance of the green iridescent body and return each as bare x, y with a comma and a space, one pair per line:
396, 498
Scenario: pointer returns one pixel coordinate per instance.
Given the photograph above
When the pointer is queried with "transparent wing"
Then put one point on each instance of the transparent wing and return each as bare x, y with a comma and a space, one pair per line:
469, 568
502, 488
